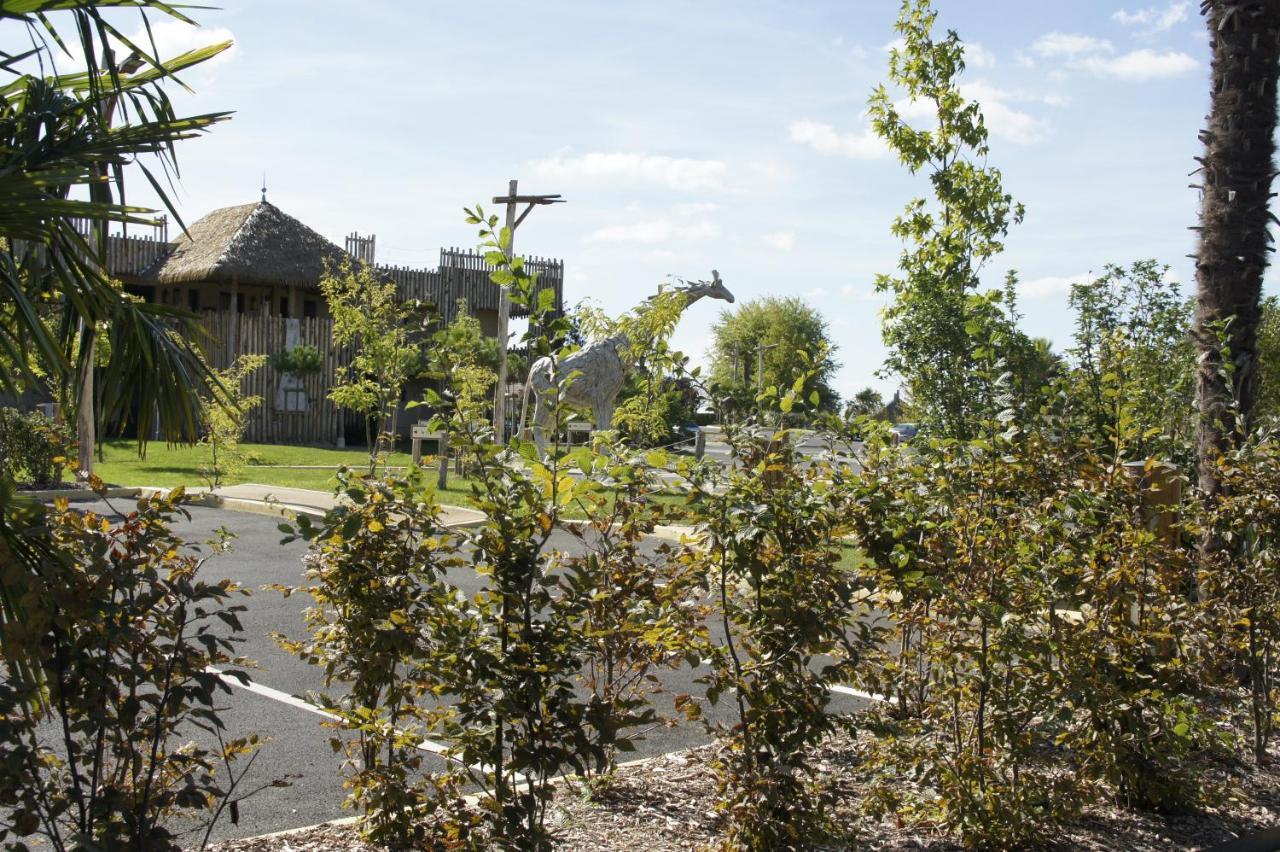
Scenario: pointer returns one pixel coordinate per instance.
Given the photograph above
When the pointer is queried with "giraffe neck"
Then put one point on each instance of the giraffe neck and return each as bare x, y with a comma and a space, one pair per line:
690, 296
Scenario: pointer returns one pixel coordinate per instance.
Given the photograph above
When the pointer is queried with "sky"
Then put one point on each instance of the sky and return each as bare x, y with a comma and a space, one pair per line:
686, 137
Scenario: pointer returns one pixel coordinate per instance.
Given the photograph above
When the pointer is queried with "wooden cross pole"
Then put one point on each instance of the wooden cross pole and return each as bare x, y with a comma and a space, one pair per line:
513, 200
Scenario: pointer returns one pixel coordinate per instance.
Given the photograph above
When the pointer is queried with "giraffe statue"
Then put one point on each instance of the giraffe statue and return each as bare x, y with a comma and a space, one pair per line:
598, 369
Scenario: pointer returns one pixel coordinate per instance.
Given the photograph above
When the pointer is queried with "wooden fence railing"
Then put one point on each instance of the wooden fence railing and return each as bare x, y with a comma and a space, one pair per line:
463, 274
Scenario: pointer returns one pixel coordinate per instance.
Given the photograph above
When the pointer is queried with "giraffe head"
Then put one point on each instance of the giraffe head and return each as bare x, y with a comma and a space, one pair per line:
713, 289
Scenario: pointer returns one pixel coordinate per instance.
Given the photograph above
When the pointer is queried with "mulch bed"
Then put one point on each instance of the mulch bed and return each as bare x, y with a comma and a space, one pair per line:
668, 804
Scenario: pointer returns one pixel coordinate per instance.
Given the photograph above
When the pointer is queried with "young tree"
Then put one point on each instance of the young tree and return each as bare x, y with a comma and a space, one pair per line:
1237, 170
464, 360
939, 325
224, 420
367, 315
756, 344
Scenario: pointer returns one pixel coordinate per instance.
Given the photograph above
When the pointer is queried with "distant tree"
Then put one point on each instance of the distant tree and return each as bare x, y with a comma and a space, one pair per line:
942, 332
1266, 408
651, 407
1131, 382
1237, 170
368, 316
783, 326
866, 402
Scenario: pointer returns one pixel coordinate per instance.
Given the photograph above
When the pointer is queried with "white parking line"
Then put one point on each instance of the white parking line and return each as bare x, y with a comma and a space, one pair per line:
430, 745
295, 701
858, 693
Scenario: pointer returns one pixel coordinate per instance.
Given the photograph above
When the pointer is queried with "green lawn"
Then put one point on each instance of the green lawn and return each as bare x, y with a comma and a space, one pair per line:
168, 467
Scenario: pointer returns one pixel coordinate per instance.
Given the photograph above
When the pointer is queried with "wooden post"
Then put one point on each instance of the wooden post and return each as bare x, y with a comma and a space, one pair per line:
512, 200
700, 445
442, 447
504, 312
1161, 494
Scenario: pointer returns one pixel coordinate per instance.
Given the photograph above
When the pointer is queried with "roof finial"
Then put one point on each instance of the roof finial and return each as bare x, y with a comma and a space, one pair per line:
264, 186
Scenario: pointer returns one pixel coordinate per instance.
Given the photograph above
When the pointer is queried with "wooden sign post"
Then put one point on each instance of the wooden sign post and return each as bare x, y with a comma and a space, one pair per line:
418, 433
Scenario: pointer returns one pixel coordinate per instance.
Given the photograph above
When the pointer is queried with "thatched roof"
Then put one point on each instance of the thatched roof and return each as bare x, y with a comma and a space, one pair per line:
256, 243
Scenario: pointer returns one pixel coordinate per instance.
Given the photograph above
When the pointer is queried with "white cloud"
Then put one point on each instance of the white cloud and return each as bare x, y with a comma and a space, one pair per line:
675, 172
916, 110
1002, 119
173, 38
1153, 19
656, 231
897, 44
824, 139
696, 208
1139, 65
860, 293
1070, 45
1095, 55
977, 56
813, 294
1049, 285
781, 240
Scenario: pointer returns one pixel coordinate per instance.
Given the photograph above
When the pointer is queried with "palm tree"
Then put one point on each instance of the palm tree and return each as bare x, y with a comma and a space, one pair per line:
61, 136
1237, 168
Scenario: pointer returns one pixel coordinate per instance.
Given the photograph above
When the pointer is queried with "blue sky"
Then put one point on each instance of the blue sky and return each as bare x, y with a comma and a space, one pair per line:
690, 136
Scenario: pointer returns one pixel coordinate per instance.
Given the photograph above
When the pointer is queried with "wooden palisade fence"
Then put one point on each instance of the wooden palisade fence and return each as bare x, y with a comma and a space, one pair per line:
322, 422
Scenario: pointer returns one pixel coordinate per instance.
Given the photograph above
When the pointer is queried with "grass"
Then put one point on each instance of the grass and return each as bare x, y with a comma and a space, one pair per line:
168, 467
171, 466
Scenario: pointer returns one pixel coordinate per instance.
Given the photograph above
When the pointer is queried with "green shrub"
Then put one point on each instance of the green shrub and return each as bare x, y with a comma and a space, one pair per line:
790, 626
376, 573
302, 360
1046, 643
33, 448
395, 635
1240, 580
639, 608
97, 754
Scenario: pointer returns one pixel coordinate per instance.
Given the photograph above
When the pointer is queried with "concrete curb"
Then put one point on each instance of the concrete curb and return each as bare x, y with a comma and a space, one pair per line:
82, 495
203, 499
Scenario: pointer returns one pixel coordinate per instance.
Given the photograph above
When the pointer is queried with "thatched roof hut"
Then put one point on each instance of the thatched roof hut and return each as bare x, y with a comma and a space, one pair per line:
247, 244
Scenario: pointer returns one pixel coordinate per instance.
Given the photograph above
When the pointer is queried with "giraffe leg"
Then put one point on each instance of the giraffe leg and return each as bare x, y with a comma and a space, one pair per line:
602, 410
541, 412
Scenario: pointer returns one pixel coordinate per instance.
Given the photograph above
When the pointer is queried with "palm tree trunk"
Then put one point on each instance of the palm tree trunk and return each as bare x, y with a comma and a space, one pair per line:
86, 421
1244, 37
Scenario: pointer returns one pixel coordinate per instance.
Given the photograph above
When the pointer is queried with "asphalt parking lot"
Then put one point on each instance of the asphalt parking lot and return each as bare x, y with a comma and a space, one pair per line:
297, 745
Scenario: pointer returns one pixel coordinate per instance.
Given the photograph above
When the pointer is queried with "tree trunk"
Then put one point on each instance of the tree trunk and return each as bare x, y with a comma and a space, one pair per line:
1244, 38
86, 421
